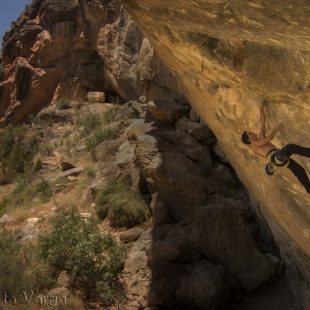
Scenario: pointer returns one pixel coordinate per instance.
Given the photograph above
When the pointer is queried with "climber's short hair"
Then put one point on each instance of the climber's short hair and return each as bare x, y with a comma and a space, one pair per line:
245, 138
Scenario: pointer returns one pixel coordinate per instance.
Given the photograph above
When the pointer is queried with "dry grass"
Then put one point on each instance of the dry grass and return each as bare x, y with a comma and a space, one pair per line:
121, 205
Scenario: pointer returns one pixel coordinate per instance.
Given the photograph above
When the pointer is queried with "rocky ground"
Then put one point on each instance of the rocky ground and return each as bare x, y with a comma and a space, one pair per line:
202, 246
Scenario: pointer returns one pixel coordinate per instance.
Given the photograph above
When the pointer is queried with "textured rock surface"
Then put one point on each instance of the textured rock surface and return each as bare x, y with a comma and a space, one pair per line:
228, 55
66, 48
206, 287
221, 233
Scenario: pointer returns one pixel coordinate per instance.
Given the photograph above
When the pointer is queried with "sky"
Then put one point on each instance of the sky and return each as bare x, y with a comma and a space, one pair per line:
9, 11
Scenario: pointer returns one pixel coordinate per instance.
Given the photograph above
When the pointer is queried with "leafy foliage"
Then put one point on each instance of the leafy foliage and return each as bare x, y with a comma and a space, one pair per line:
121, 205
92, 259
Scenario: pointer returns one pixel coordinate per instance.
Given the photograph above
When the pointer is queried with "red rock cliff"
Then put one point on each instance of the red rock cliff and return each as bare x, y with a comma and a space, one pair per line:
62, 48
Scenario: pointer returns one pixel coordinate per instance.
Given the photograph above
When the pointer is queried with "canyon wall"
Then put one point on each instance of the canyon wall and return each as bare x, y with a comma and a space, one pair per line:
228, 56
66, 48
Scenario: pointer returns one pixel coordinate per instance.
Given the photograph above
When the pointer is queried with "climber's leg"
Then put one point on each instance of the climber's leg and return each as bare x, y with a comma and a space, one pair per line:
300, 173
290, 149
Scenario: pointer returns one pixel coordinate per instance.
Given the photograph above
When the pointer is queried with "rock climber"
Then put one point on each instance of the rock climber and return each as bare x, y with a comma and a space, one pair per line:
261, 144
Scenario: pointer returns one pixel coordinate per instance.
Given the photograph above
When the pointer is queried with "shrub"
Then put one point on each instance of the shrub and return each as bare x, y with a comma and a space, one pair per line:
98, 136
87, 123
38, 165
63, 104
121, 205
92, 128
47, 149
21, 267
92, 259
90, 172
25, 192
16, 153
109, 116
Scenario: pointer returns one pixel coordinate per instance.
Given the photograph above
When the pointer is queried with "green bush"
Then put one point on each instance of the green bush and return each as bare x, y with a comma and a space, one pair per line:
21, 269
63, 104
121, 205
16, 152
92, 259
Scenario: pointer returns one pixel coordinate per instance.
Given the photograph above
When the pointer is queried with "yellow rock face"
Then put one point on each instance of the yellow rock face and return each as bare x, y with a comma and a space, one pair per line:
229, 55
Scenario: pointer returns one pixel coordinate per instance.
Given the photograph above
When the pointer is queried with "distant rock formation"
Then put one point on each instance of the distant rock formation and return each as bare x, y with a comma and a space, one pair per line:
67, 48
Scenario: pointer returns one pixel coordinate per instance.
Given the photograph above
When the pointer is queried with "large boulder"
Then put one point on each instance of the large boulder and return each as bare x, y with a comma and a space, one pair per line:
166, 111
190, 147
177, 180
199, 131
222, 235
205, 287
96, 96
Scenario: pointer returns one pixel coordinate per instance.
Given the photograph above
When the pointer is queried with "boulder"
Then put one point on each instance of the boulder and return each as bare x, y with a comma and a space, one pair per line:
68, 173
65, 165
131, 234
126, 113
167, 111
205, 287
225, 175
163, 291
98, 108
199, 131
193, 116
190, 147
6, 219
96, 96
160, 211
85, 215
221, 234
162, 251
57, 116
63, 279
178, 181
107, 149
137, 276
179, 237
30, 231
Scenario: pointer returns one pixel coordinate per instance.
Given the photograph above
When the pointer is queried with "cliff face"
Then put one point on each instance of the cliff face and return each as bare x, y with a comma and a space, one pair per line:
228, 56
67, 48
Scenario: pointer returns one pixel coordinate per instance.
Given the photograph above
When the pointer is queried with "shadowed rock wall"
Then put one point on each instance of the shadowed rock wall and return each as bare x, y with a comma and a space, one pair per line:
228, 55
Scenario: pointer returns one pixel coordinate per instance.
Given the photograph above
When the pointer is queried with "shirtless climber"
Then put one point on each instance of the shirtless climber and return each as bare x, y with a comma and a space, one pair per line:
261, 144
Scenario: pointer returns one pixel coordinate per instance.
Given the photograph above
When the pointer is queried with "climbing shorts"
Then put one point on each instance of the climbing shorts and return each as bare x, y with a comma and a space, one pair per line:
272, 157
